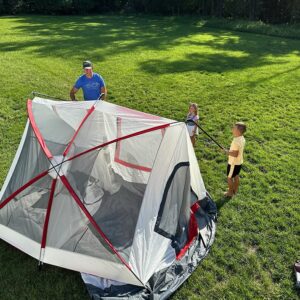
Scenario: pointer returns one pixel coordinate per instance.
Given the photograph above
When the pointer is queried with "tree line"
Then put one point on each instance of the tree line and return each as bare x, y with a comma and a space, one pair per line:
269, 11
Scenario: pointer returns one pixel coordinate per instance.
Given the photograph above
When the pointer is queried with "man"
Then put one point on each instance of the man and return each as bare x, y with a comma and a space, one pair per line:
92, 84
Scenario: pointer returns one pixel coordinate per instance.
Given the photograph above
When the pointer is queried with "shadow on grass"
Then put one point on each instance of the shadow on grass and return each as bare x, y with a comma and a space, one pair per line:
100, 37
77, 36
205, 63
221, 202
225, 53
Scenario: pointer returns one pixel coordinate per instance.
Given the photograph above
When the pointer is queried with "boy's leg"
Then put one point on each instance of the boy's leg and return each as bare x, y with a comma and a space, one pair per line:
230, 170
230, 191
236, 184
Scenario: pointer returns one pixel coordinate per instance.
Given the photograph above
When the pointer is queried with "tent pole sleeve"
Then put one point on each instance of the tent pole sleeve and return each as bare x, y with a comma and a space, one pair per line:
36, 130
45, 228
78, 129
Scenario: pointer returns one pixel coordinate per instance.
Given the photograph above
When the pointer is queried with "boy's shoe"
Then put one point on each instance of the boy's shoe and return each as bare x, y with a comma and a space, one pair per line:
297, 273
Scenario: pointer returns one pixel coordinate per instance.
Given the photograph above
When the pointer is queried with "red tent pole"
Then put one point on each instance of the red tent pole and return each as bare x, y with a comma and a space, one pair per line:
77, 131
88, 215
120, 139
36, 129
46, 223
22, 188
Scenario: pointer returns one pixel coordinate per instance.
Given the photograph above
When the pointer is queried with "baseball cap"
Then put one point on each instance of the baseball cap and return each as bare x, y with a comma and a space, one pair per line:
87, 64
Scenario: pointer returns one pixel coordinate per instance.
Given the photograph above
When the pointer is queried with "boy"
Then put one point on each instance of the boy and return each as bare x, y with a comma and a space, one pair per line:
235, 158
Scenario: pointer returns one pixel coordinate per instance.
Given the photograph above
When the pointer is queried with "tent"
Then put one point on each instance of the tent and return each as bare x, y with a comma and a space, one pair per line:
110, 192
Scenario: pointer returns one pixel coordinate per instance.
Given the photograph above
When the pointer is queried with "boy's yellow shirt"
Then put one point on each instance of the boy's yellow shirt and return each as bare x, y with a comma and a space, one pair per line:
238, 143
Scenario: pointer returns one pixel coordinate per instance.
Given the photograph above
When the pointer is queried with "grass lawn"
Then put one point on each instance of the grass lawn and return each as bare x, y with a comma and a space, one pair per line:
158, 65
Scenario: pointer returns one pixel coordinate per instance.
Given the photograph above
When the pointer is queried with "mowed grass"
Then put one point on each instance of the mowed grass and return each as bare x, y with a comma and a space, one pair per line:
159, 65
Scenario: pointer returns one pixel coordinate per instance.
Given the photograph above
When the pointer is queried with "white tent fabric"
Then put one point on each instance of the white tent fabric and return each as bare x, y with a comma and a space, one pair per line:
100, 189
149, 248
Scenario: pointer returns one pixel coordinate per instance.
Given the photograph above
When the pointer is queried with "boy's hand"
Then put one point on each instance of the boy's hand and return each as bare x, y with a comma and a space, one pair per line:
225, 151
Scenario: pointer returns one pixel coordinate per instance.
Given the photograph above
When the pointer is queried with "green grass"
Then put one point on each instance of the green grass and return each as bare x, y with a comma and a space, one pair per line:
158, 65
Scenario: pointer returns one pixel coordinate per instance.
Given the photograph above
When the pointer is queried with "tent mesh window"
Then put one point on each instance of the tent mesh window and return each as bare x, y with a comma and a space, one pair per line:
174, 212
31, 163
108, 197
79, 234
26, 213
137, 145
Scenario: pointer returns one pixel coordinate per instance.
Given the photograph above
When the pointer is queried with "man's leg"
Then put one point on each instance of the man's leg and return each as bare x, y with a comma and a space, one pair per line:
236, 184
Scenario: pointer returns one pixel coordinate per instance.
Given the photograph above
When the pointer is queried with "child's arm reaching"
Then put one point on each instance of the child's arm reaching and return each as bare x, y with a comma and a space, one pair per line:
234, 153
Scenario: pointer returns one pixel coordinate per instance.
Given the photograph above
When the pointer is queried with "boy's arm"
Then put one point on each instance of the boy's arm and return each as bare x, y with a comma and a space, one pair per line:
234, 153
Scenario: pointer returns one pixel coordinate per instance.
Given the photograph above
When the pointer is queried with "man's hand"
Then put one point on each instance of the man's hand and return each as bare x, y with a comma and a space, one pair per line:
72, 93
103, 91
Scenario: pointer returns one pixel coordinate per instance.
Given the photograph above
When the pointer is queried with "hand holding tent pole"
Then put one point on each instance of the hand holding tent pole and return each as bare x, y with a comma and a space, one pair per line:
219, 145
102, 94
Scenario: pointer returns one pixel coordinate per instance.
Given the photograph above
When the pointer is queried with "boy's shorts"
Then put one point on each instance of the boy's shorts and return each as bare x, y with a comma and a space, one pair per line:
233, 170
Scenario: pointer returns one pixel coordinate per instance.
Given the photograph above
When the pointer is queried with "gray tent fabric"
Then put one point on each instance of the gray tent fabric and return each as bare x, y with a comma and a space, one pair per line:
165, 282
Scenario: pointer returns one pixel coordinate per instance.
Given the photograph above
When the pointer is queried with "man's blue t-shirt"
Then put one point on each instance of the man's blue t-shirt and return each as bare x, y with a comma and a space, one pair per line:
91, 86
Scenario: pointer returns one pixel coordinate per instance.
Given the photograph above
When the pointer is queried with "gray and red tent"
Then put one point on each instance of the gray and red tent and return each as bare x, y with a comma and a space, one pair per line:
111, 192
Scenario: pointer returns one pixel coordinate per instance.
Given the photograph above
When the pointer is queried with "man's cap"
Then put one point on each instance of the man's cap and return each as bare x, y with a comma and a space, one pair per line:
87, 64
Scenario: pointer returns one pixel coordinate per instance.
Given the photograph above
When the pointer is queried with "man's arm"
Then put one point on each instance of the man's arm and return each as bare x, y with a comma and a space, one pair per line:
72, 93
104, 92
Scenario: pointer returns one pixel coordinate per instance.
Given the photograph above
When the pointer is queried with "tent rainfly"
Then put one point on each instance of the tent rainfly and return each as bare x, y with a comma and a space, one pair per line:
111, 192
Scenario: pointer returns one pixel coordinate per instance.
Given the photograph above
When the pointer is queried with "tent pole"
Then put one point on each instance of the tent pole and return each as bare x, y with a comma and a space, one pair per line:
95, 225
46, 222
48, 96
220, 146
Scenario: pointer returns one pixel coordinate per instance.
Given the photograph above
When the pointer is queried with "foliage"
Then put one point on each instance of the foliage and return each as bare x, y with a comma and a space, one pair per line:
269, 11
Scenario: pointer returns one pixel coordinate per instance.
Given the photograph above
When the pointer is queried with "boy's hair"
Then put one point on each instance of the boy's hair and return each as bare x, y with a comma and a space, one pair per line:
195, 105
241, 127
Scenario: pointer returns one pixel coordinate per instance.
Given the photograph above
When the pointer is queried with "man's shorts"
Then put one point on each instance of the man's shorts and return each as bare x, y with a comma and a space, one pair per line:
233, 170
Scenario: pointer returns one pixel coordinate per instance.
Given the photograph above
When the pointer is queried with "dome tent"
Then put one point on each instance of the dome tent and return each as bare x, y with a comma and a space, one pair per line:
108, 191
